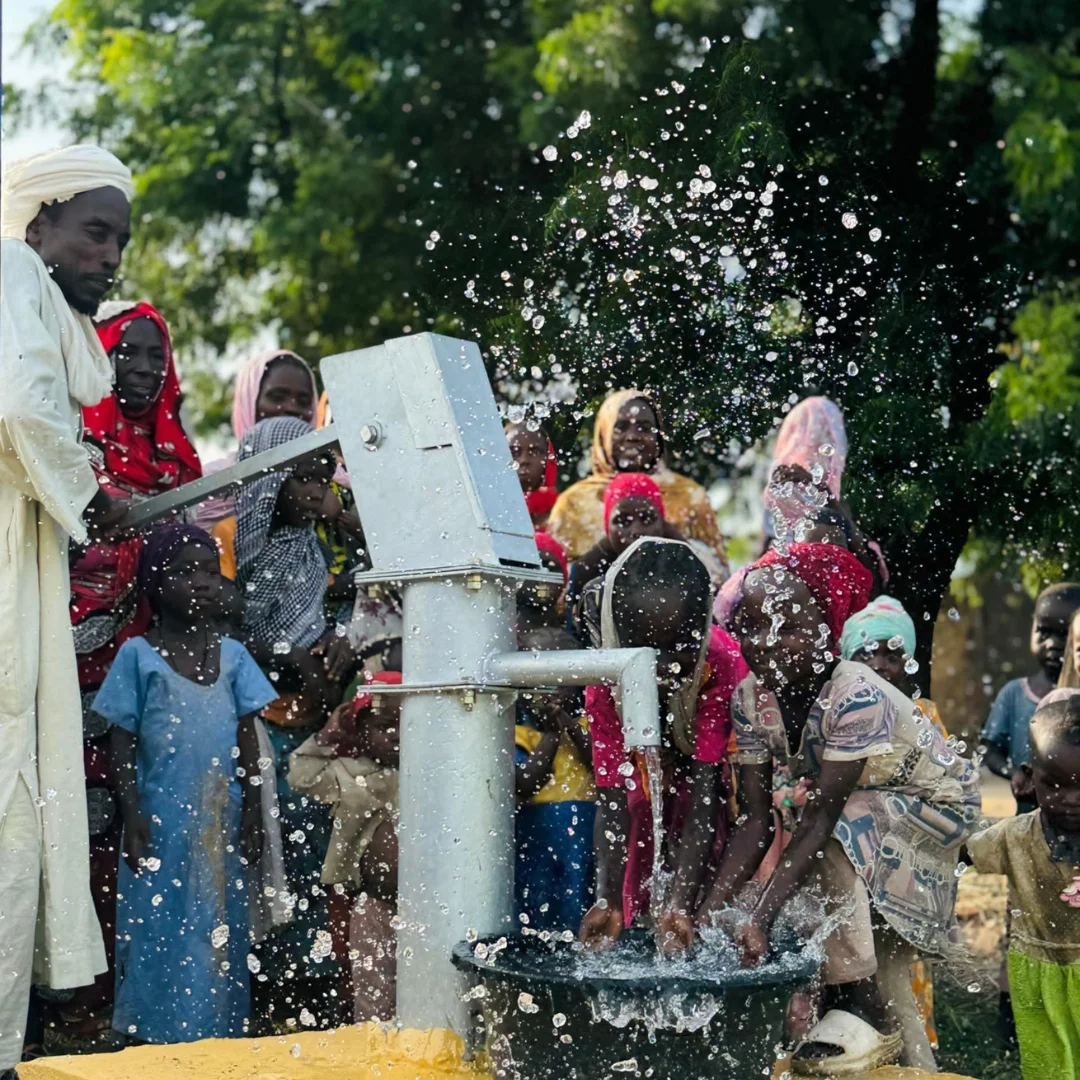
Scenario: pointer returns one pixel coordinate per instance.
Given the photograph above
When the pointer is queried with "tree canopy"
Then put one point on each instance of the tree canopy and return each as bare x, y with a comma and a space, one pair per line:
736, 204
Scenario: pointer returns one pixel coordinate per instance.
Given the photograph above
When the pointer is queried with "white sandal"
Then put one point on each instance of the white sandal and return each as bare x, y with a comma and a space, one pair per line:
863, 1046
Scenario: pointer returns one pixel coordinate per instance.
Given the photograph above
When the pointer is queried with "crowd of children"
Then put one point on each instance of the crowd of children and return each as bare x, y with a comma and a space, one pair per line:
242, 761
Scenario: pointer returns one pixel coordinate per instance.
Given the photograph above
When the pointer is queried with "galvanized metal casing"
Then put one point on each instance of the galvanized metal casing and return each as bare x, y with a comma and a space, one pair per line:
431, 470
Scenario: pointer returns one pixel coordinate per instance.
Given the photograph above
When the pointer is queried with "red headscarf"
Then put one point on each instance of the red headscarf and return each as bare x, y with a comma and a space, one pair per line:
541, 501
547, 542
164, 458
836, 579
631, 485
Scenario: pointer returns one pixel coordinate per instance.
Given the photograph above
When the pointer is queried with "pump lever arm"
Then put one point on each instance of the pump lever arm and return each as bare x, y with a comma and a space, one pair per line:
172, 502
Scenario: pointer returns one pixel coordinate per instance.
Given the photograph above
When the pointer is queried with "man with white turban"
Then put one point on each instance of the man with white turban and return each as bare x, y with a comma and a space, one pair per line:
64, 221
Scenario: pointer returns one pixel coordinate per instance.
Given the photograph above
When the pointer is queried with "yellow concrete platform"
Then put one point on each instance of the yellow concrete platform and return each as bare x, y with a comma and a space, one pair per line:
367, 1052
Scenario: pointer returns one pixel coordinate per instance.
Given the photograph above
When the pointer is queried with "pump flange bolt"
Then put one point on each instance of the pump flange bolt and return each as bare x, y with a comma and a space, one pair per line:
474, 583
371, 435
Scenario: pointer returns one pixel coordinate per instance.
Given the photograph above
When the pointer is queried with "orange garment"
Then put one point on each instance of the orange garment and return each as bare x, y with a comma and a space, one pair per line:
224, 534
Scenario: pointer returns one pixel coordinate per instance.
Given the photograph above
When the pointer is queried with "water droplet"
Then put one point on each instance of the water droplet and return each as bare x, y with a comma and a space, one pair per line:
152, 863
156, 899
911, 665
954, 615
823, 181
219, 937
254, 964
849, 220
852, 368
875, 235
550, 153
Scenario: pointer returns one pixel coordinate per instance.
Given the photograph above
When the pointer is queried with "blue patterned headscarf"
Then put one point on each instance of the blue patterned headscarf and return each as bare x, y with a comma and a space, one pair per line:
881, 620
281, 570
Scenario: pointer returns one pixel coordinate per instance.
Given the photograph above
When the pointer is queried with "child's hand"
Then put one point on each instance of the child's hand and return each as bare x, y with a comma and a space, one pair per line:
674, 932
252, 835
337, 653
340, 731
751, 941
601, 927
1022, 787
136, 841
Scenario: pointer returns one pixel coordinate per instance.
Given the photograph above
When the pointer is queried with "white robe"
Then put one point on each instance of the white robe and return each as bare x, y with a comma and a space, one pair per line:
47, 355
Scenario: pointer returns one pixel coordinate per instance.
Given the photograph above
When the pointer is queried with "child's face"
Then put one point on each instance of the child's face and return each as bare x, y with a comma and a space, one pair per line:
671, 630
781, 629
1055, 774
304, 494
538, 596
380, 730
631, 519
824, 532
529, 449
191, 586
1048, 633
886, 662
286, 390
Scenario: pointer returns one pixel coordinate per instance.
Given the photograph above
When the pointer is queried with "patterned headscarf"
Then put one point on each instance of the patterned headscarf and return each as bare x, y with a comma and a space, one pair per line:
159, 547
882, 619
281, 570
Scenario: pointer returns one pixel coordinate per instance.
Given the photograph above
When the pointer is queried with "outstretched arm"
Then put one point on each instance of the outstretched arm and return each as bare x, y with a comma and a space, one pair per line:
750, 840
676, 928
819, 818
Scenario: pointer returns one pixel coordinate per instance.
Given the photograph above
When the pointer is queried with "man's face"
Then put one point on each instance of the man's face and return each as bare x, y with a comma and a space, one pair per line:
81, 241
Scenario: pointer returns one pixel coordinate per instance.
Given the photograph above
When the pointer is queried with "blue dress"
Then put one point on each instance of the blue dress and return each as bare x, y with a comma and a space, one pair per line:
181, 923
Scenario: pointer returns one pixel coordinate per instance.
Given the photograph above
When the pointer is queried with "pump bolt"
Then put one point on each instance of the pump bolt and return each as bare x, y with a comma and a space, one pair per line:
474, 582
468, 699
371, 435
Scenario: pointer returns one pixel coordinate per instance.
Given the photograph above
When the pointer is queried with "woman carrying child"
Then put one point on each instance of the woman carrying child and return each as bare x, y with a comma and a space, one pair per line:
182, 703
890, 805
282, 571
658, 594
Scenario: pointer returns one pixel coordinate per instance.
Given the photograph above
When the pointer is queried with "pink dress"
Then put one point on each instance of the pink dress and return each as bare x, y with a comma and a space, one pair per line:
725, 669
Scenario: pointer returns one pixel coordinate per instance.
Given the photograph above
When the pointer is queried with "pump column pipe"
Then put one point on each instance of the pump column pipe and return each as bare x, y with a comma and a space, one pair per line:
456, 825
633, 671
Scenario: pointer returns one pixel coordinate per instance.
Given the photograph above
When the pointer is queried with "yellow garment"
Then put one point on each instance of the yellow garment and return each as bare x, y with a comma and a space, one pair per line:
48, 367
570, 780
1043, 926
361, 1052
577, 520
224, 534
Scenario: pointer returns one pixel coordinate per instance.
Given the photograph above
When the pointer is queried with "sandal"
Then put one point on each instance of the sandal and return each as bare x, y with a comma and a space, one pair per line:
863, 1047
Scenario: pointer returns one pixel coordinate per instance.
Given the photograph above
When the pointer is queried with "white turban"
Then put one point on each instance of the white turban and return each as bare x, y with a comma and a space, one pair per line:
56, 176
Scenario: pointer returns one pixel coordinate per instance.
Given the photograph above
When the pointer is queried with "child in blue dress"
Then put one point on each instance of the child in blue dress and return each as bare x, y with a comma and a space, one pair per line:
182, 703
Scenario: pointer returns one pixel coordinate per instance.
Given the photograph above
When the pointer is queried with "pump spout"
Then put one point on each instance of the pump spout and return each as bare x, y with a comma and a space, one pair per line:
632, 671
